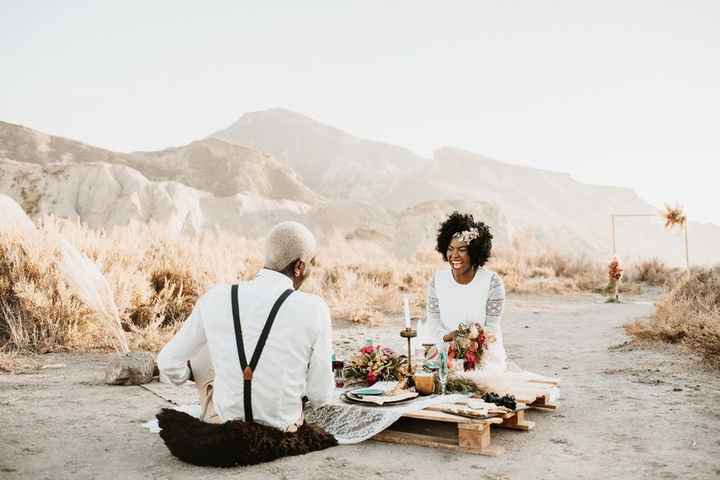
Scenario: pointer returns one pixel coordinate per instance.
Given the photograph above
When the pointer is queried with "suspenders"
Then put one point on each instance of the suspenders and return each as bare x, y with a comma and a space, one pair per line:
248, 369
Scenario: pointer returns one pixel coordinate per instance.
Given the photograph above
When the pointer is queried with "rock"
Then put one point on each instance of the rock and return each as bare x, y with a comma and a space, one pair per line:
135, 368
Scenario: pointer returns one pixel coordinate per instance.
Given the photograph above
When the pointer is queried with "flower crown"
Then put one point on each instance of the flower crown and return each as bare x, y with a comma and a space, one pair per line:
467, 235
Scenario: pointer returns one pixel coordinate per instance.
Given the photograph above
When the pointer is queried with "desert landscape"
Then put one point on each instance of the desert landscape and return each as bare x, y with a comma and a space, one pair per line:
149, 150
103, 251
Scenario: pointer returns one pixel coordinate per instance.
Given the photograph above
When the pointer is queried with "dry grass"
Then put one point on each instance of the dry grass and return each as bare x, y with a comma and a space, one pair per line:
156, 279
689, 314
38, 312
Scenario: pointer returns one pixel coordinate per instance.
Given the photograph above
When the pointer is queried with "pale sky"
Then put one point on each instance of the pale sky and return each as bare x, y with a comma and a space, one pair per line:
612, 92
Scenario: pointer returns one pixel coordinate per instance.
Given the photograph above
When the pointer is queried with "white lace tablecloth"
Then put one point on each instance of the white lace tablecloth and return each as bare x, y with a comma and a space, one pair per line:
349, 423
354, 423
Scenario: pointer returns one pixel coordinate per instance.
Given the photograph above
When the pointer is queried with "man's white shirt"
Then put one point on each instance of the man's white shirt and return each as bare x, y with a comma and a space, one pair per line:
296, 360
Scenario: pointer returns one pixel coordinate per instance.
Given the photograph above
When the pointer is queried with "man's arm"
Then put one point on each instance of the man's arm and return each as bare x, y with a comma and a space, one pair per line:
320, 381
173, 358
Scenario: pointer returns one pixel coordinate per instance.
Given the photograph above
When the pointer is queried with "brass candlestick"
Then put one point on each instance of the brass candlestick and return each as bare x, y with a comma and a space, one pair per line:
409, 333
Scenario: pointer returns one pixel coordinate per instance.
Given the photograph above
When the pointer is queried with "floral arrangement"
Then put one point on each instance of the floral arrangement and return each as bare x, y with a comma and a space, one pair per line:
674, 216
615, 273
467, 236
615, 270
377, 363
468, 345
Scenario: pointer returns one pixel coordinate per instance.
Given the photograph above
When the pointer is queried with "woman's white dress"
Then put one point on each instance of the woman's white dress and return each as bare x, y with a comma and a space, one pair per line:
481, 301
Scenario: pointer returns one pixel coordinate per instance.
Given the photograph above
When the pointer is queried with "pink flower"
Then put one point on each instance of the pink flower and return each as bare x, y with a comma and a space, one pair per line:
369, 350
371, 377
473, 347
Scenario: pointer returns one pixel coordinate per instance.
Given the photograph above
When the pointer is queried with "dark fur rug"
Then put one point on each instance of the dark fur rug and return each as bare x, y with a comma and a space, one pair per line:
235, 443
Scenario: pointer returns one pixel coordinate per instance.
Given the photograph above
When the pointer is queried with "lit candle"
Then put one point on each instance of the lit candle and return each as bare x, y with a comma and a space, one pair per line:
406, 310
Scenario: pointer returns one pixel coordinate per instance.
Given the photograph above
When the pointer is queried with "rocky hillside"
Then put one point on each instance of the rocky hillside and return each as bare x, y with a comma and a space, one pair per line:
275, 165
330, 161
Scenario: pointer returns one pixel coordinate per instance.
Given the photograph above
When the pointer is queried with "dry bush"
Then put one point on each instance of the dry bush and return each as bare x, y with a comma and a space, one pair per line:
546, 273
689, 314
38, 312
652, 272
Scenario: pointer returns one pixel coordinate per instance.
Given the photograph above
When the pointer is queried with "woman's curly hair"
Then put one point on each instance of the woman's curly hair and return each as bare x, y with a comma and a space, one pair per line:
479, 249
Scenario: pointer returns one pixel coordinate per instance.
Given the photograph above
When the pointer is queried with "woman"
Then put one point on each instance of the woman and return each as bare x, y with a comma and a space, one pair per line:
465, 291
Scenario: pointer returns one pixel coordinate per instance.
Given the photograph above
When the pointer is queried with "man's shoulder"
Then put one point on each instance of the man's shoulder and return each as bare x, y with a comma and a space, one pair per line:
217, 290
309, 301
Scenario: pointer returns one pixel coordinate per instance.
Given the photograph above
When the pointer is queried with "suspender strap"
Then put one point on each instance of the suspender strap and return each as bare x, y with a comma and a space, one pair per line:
249, 369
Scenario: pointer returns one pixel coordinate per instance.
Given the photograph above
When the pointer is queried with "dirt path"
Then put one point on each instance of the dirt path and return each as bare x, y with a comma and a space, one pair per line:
625, 413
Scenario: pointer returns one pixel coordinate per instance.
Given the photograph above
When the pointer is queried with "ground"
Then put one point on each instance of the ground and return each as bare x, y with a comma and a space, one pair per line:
626, 412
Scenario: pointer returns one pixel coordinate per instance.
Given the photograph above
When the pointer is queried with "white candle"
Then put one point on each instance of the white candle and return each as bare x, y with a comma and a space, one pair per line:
406, 310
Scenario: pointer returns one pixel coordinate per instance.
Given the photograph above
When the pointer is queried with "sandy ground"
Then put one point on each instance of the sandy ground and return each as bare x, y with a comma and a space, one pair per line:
626, 412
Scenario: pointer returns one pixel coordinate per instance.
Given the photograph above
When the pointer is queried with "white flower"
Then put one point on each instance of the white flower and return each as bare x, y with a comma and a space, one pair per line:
467, 236
473, 332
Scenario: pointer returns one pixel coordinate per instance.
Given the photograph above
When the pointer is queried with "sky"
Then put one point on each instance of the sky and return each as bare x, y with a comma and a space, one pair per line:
613, 92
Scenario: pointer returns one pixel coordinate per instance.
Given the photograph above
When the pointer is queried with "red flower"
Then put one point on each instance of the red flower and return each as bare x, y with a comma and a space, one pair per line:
371, 377
470, 360
369, 350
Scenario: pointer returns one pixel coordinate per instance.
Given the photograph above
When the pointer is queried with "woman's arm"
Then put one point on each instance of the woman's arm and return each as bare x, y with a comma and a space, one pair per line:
495, 304
494, 359
430, 330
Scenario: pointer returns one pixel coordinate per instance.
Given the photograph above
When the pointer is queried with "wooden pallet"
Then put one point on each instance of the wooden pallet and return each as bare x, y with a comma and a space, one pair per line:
429, 428
536, 394
542, 402
516, 420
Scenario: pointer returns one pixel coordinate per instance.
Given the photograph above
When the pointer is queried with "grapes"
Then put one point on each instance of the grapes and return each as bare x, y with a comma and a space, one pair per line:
507, 401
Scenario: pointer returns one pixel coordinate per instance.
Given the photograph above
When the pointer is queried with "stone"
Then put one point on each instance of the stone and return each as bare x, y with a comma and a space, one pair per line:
135, 368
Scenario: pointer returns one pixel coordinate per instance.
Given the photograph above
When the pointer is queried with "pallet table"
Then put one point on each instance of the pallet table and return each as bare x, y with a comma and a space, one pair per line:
430, 428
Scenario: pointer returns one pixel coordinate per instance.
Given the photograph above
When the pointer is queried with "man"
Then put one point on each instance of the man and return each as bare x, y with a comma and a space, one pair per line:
296, 358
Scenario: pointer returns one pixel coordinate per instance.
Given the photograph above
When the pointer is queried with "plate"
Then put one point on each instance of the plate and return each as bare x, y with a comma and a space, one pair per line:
350, 398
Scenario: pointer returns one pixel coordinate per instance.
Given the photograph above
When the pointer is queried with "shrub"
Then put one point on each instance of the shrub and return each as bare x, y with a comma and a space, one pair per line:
689, 314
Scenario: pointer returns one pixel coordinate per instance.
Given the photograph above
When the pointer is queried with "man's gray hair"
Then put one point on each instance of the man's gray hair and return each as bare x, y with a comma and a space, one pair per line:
287, 242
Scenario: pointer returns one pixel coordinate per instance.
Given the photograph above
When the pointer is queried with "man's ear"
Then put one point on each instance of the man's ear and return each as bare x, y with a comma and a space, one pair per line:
299, 269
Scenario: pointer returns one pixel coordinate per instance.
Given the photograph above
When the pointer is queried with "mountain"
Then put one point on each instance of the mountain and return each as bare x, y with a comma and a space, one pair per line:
549, 210
206, 183
552, 210
328, 160
279, 165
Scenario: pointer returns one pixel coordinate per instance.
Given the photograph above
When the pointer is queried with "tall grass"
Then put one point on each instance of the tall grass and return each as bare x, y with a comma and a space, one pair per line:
156, 279
689, 314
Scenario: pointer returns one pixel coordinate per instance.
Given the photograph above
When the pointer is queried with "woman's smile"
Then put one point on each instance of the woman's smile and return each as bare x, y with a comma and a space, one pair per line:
459, 257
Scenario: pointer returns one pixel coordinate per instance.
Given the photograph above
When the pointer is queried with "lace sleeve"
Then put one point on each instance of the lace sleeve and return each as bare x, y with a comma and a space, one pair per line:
495, 303
430, 329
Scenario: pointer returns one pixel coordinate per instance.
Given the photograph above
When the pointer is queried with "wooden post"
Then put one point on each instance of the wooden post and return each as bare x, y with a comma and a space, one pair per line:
687, 254
617, 291
612, 230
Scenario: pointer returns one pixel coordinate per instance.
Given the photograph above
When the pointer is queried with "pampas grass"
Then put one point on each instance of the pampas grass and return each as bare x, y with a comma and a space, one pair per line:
674, 216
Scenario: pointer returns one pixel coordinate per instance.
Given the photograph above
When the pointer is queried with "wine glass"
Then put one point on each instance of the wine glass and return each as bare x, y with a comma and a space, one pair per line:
443, 371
